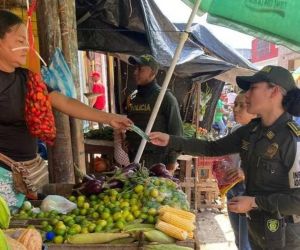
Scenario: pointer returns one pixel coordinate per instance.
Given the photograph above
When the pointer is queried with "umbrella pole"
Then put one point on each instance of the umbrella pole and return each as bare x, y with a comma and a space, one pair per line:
184, 36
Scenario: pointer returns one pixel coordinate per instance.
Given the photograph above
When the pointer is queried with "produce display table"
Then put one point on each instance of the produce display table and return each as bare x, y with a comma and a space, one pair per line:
102, 147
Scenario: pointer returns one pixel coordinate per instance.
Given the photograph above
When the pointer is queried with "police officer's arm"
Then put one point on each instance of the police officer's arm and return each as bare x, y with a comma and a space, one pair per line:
174, 125
288, 201
227, 145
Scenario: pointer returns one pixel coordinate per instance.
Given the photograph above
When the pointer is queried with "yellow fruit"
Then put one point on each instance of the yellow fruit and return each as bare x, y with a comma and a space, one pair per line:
58, 239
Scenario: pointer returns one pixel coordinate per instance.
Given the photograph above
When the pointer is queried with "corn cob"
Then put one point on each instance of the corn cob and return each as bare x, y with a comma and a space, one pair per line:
166, 247
95, 238
191, 235
158, 236
177, 221
181, 213
171, 230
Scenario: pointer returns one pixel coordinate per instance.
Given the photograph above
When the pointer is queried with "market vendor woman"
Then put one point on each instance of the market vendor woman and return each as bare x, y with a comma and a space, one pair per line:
15, 140
269, 147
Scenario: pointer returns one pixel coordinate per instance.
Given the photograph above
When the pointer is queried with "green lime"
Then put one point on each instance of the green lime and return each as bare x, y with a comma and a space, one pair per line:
105, 215
120, 224
154, 193
58, 239
72, 198
84, 230
117, 216
139, 189
102, 223
98, 229
77, 228
152, 211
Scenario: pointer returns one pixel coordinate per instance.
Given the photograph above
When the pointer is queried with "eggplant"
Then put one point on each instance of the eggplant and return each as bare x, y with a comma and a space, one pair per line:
115, 184
92, 187
131, 167
158, 169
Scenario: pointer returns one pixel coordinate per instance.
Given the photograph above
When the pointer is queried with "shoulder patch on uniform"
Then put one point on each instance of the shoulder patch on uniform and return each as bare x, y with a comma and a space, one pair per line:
254, 123
294, 127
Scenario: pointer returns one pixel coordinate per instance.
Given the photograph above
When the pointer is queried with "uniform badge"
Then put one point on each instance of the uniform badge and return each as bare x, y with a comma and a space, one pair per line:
245, 145
270, 135
294, 127
272, 225
272, 150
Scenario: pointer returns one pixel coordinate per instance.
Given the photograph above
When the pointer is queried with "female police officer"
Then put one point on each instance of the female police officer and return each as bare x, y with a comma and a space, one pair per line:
269, 147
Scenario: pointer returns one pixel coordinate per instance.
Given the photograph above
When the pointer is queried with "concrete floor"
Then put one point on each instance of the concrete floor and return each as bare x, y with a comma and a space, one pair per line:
215, 232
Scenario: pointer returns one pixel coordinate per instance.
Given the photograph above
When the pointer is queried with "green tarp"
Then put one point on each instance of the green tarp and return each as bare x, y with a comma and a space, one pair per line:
272, 20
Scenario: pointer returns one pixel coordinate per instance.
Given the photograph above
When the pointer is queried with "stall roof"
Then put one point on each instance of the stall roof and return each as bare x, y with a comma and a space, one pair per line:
122, 27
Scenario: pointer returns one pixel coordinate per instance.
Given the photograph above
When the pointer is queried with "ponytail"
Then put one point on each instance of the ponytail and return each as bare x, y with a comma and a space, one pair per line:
291, 102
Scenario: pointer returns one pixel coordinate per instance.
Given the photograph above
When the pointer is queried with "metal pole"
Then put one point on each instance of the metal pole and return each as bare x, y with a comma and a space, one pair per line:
184, 36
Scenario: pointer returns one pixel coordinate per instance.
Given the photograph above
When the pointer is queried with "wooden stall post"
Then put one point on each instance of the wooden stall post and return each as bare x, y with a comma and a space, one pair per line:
61, 167
70, 49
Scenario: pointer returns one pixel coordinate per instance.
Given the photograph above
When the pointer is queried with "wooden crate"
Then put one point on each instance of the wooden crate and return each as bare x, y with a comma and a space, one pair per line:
206, 195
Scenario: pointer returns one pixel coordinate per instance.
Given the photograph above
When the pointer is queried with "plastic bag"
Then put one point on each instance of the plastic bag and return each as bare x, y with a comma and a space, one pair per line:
219, 171
57, 203
58, 75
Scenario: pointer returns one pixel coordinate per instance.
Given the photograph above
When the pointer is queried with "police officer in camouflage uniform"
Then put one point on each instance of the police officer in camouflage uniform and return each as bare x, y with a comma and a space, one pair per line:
139, 108
269, 147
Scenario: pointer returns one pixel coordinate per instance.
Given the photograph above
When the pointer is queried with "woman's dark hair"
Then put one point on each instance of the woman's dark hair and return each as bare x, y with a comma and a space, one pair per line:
7, 20
291, 102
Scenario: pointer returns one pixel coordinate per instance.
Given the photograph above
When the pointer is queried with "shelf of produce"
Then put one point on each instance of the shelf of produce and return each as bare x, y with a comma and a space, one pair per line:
92, 147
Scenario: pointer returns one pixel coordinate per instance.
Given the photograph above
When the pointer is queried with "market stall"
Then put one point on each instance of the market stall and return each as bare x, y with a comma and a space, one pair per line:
129, 208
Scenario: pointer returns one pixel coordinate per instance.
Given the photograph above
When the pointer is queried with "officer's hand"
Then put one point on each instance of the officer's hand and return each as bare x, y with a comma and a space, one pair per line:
234, 173
159, 139
241, 204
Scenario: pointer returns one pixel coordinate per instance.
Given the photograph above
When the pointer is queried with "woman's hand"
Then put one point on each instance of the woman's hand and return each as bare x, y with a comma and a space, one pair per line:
120, 122
241, 204
74, 108
159, 139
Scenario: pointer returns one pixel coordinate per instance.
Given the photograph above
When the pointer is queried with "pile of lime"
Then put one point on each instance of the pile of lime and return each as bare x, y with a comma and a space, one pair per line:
111, 210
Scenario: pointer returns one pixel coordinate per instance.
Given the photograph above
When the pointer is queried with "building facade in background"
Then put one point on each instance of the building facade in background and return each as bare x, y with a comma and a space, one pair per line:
266, 53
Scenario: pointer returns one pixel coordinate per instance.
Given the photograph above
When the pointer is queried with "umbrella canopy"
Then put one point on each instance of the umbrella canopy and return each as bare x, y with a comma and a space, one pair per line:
274, 20
117, 26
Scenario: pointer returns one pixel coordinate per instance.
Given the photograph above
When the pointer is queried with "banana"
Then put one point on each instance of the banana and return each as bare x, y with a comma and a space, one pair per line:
4, 214
3, 242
